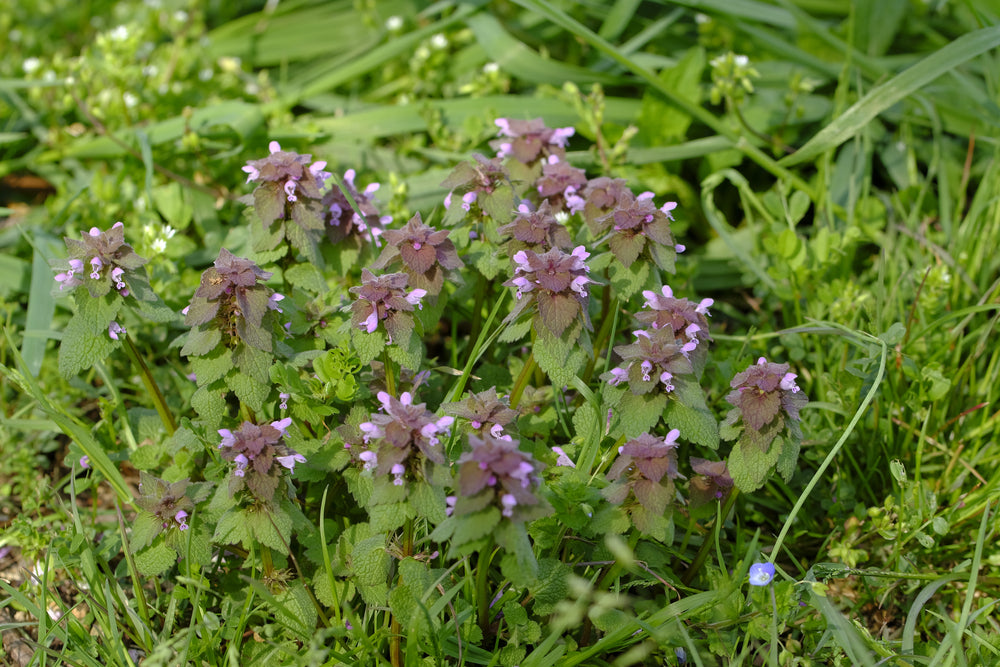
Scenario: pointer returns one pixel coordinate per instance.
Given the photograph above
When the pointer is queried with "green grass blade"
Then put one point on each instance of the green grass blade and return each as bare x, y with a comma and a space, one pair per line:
892, 91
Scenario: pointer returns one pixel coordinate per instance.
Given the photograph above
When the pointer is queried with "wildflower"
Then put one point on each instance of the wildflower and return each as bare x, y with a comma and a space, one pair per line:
393, 23
477, 182
115, 330
711, 482
342, 220
403, 428
689, 321
560, 181
529, 139
232, 299
255, 448
496, 471
485, 411
425, 253
284, 172
85, 462
645, 470
181, 519
661, 359
397, 474
556, 282
284, 400
170, 503
562, 459
635, 219
112, 262
761, 574
537, 230
385, 299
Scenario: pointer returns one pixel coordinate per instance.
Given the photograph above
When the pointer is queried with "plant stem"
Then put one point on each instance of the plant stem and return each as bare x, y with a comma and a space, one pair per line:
522, 381
699, 559
482, 587
390, 378
152, 388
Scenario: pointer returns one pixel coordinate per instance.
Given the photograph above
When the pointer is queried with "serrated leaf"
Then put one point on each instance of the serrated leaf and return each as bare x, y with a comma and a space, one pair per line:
514, 331
201, 341
635, 415
155, 560
551, 587
253, 362
248, 390
209, 402
370, 561
212, 366
696, 425
518, 564
428, 502
628, 280
386, 517
296, 611
145, 528
473, 526
306, 276
86, 340
558, 356
410, 356
749, 467
367, 345
233, 528
270, 527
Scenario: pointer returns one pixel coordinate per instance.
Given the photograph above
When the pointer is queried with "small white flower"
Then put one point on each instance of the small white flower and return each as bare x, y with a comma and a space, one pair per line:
30, 65
119, 34
394, 23
160, 245
130, 99
491, 68
439, 41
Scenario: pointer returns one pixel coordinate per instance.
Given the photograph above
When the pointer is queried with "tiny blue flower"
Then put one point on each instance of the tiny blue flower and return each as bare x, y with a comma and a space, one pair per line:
761, 574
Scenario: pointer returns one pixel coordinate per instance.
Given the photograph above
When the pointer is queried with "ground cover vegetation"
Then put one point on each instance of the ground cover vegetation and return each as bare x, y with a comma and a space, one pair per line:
518, 333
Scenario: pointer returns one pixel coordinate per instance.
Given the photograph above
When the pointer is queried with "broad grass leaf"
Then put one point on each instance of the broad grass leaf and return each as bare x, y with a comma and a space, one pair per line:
883, 96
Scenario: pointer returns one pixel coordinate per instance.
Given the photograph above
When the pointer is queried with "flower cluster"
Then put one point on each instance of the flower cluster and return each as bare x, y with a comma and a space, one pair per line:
556, 282
560, 182
765, 396
496, 472
255, 449
598, 199
385, 299
475, 182
536, 230
710, 483
102, 261
764, 422
425, 253
343, 222
688, 320
635, 219
642, 479
232, 300
290, 189
528, 140
656, 357
283, 175
171, 504
401, 428
486, 412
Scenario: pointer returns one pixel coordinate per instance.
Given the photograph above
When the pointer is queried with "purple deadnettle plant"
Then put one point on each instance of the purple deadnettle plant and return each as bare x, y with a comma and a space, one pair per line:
556, 282
101, 261
536, 230
385, 299
259, 457
343, 222
400, 430
485, 411
424, 253
483, 185
642, 480
290, 189
496, 472
636, 224
232, 304
688, 320
656, 358
528, 140
764, 422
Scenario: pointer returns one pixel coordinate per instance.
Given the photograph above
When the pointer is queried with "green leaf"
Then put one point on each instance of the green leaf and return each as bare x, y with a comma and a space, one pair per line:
410, 356
306, 276
253, 362
233, 528
695, 422
749, 467
387, 517
145, 528
367, 345
271, 527
201, 341
428, 501
212, 366
296, 611
86, 340
885, 95
635, 415
41, 307
558, 356
628, 280
551, 587
474, 526
518, 564
370, 561
250, 392
209, 402
155, 560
